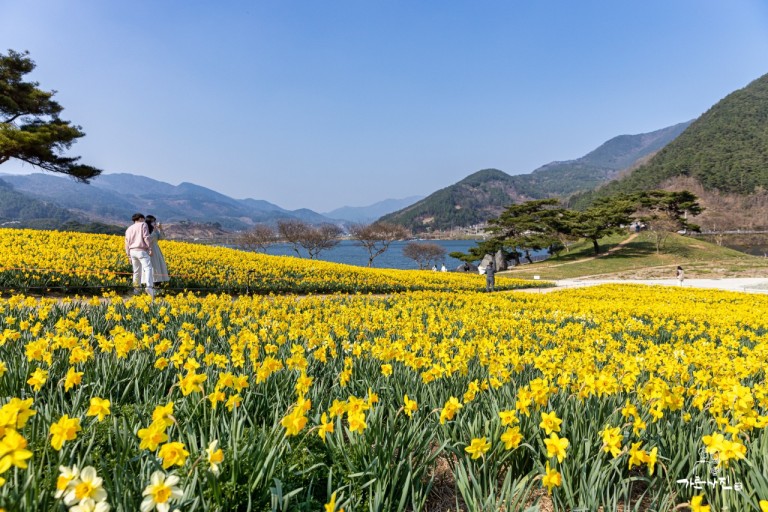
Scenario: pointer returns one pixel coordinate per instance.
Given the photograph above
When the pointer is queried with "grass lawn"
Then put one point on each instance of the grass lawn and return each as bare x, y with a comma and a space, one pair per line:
638, 259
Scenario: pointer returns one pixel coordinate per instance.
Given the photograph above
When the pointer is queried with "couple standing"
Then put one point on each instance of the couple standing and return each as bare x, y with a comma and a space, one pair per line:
141, 246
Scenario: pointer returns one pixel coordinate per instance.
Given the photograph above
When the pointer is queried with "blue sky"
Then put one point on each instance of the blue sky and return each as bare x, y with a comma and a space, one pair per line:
325, 104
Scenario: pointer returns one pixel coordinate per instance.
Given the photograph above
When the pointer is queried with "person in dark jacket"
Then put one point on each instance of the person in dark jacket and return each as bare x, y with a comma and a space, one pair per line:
490, 277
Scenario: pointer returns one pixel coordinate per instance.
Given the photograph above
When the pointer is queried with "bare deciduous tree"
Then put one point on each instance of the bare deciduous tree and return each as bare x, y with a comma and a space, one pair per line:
423, 253
313, 239
258, 238
292, 231
320, 238
377, 237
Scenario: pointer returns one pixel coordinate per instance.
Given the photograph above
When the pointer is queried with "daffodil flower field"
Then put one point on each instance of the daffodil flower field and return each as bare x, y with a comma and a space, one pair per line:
52, 261
620, 397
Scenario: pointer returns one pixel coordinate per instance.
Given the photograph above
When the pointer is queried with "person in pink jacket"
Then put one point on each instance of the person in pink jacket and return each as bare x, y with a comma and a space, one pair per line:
138, 247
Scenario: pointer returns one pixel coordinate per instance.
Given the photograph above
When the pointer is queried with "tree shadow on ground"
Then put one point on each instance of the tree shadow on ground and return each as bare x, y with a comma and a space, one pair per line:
641, 248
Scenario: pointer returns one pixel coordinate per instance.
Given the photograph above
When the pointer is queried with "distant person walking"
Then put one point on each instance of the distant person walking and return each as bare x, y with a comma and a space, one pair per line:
138, 247
490, 277
159, 268
680, 275
443, 269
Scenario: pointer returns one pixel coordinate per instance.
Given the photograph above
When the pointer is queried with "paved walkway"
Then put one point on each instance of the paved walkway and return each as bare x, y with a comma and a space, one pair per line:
740, 284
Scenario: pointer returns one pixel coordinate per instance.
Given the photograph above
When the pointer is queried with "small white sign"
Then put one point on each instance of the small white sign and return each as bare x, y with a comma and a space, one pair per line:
537, 277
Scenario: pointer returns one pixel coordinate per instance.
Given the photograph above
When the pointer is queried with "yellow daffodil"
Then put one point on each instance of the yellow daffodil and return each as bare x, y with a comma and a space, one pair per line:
72, 379
508, 417
511, 438
294, 421
163, 414
636, 455
477, 447
556, 446
215, 397
99, 407
612, 438
629, 410
37, 379
173, 454
152, 436
16, 413
65, 429
373, 398
13, 451
650, 459
192, 382
731, 450
357, 422
331, 505
550, 422
410, 406
337, 408
551, 479
234, 401
326, 426
638, 426
450, 409
696, 505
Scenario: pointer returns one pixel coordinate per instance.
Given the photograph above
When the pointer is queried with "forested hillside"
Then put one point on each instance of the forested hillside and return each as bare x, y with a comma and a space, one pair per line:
725, 150
15, 207
18, 210
484, 194
475, 199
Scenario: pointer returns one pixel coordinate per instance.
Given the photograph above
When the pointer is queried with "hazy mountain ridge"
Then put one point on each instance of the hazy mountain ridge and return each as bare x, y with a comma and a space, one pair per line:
17, 208
726, 149
113, 198
623, 151
561, 179
723, 154
372, 212
484, 194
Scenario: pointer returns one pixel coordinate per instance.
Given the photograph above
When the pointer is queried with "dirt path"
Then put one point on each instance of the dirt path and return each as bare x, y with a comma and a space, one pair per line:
737, 284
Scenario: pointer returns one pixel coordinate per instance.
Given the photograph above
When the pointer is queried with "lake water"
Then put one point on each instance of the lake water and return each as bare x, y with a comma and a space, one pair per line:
351, 253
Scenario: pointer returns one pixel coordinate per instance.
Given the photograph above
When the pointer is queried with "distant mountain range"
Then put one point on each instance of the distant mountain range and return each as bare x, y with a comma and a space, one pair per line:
113, 198
371, 213
484, 194
561, 179
15, 206
722, 157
